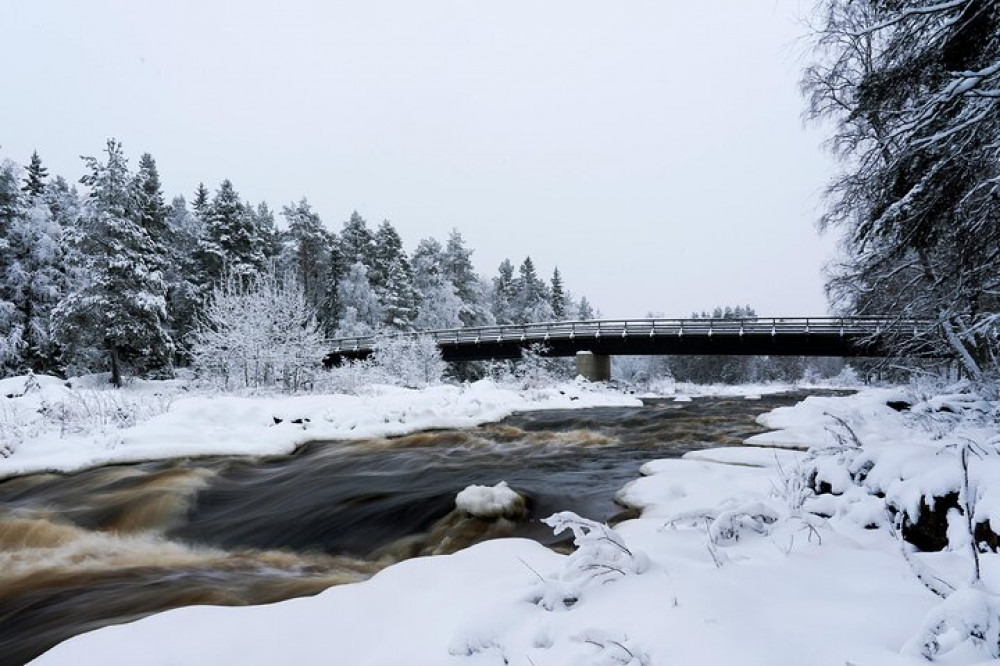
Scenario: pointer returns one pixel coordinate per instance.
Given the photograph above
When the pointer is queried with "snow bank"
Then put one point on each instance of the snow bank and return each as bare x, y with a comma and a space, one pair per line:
774, 599
172, 424
497, 501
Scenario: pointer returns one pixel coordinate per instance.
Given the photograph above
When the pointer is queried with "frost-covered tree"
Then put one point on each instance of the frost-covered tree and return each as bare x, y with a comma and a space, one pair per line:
34, 282
458, 268
232, 243
309, 247
256, 331
412, 361
357, 243
362, 313
558, 297
119, 308
201, 202
531, 297
914, 90
10, 331
440, 306
185, 294
392, 278
503, 293
34, 180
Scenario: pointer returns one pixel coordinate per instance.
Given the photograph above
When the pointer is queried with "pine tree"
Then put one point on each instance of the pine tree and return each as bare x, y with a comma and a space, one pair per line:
558, 296
121, 306
585, 310
34, 182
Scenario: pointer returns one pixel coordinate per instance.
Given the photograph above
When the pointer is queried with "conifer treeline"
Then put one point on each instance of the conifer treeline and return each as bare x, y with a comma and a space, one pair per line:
114, 278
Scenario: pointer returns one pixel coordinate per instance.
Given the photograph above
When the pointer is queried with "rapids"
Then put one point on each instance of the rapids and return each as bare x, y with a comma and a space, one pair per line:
113, 544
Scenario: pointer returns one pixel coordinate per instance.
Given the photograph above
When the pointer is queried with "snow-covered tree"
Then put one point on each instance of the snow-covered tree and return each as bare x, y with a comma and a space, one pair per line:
34, 282
503, 293
362, 313
120, 306
585, 310
357, 243
309, 245
232, 244
34, 180
558, 297
458, 268
392, 278
914, 90
185, 294
257, 331
531, 297
440, 306
10, 330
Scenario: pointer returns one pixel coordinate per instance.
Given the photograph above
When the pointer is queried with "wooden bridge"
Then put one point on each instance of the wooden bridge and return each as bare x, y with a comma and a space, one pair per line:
809, 336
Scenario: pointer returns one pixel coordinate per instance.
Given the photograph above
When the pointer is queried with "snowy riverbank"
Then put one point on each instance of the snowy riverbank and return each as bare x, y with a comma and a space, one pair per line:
735, 560
52, 427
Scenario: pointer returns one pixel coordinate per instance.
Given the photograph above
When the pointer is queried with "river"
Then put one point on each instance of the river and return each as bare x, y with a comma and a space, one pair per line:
114, 544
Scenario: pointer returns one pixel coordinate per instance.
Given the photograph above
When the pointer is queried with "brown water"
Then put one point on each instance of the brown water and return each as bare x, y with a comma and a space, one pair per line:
113, 544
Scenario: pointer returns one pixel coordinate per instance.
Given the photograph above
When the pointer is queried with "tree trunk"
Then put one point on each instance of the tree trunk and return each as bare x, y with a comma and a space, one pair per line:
116, 372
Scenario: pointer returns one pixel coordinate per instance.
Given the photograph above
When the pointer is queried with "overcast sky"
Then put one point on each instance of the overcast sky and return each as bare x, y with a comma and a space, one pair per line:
653, 149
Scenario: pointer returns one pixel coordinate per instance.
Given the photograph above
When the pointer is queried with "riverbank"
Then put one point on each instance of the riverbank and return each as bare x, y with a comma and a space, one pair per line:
735, 560
49, 426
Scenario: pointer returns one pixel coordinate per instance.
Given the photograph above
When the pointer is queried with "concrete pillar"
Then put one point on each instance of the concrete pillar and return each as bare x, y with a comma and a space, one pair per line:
593, 367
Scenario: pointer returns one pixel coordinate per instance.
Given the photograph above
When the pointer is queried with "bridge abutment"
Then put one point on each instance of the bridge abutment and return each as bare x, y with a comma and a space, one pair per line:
593, 367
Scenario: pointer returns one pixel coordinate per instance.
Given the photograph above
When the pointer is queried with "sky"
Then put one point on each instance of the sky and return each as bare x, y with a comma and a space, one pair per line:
654, 150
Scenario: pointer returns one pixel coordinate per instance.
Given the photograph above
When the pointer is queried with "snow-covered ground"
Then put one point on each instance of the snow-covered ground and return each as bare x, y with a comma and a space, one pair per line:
53, 427
732, 562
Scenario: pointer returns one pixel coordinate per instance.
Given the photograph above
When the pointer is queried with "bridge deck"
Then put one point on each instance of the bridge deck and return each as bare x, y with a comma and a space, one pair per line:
813, 336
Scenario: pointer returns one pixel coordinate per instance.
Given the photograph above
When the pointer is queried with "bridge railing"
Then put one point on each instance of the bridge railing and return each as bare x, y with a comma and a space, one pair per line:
569, 330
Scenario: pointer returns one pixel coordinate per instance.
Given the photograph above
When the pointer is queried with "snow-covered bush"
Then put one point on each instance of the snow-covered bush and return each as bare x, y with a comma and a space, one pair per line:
601, 556
258, 331
413, 361
969, 614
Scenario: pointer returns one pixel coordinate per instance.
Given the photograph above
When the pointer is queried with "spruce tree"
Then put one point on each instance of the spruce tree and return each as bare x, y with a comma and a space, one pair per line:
232, 243
531, 300
457, 265
310, 249
201, 202
185, 294
439, 307
120, 307
558, 295
357, 243
392, 278
34, 182
503, 293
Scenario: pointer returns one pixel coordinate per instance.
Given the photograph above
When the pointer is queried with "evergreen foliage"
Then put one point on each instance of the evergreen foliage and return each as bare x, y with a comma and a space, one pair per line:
120, 280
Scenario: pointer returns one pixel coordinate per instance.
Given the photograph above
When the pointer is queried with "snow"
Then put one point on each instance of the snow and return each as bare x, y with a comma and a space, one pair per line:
732, 561
490, 501
170, 423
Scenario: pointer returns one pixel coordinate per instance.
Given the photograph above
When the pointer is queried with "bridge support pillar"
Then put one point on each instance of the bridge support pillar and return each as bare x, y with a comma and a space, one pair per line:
593, 367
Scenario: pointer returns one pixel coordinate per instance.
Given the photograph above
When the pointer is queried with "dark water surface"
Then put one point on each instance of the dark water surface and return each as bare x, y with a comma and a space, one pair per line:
113, 544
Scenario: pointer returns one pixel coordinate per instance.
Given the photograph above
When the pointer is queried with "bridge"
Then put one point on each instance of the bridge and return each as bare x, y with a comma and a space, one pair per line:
595, 342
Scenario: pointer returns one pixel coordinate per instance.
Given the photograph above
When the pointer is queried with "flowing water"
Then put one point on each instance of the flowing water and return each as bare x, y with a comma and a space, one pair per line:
113, 544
